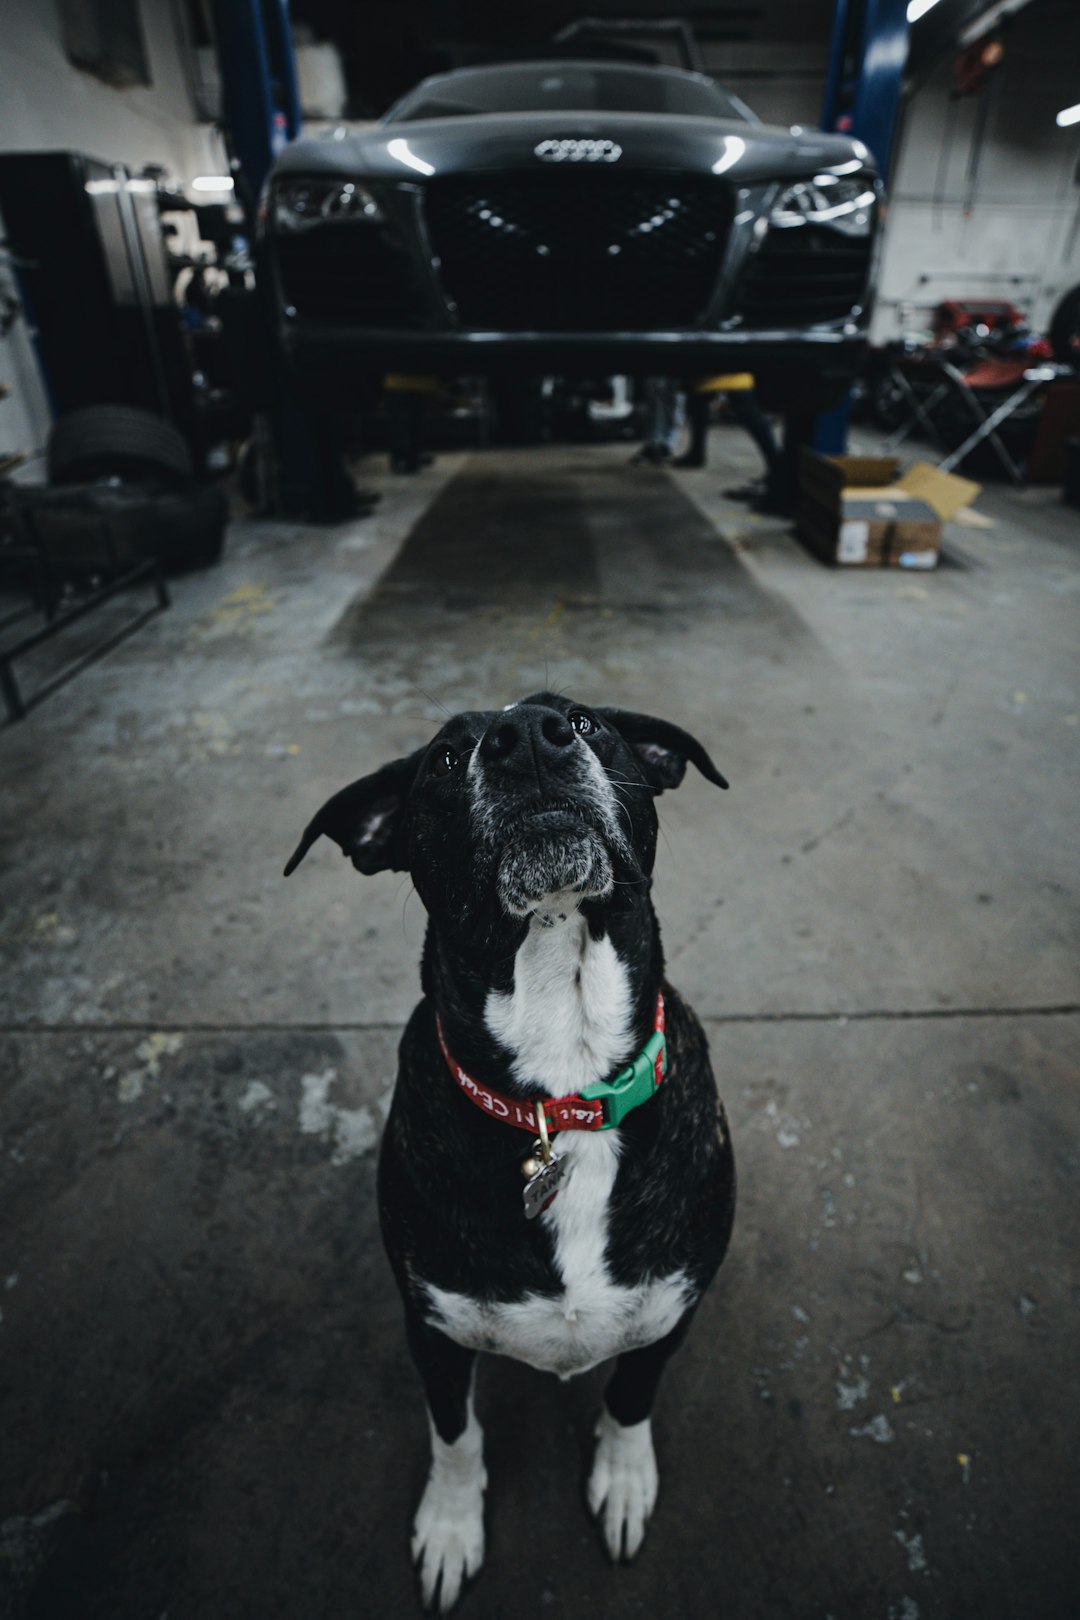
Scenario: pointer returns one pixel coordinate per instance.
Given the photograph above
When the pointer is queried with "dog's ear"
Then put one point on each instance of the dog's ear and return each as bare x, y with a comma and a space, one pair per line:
662, 748
366, 819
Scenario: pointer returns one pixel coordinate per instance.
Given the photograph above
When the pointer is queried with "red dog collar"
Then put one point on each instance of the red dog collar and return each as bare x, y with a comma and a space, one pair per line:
598, 1107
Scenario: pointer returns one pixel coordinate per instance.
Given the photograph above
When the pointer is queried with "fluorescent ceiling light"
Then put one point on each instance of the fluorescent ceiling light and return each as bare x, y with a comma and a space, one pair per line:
212, 182
1068, 115
918, 8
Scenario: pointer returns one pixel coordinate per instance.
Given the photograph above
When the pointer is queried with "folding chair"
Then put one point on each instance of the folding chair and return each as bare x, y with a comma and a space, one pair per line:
922, 411
996, 374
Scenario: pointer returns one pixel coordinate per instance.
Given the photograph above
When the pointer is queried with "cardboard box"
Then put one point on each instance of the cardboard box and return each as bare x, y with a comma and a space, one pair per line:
861, 512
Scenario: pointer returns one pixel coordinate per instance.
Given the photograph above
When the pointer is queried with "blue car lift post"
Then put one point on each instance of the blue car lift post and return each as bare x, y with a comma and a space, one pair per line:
262, 113
862, 98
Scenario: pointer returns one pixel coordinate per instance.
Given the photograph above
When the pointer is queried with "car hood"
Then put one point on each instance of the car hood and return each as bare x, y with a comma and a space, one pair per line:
437, 146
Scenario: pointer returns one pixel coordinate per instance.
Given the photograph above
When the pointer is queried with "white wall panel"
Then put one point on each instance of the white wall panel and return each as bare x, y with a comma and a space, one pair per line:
46, 104
998, 218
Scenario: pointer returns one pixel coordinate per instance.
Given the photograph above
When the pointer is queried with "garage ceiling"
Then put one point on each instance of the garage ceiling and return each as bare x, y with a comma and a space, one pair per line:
794, 20
389, 44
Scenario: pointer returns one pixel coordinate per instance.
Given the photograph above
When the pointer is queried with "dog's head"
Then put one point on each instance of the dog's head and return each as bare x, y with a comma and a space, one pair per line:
517, 811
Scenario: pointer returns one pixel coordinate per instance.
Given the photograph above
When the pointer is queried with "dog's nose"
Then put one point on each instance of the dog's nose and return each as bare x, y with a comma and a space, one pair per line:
537, 733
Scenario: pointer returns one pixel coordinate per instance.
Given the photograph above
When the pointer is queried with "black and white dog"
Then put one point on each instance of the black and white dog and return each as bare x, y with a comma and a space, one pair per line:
547, 1047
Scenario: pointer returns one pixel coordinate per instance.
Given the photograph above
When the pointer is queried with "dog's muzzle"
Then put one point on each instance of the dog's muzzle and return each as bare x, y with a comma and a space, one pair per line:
538, 810
552, 854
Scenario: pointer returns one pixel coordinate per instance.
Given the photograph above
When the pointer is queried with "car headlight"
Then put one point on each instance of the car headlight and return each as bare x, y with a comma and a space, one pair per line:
299, 204
844, 205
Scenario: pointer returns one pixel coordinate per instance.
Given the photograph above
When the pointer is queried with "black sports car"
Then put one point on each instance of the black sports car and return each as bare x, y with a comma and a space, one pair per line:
574, 217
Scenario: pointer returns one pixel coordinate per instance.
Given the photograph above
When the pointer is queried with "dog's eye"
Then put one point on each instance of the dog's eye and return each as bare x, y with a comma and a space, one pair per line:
444, 762
583, 724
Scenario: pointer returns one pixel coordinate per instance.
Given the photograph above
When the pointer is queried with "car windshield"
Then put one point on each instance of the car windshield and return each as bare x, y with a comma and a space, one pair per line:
567, 87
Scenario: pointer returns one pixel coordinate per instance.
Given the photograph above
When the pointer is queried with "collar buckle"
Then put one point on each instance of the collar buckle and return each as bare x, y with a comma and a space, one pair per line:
633, 1085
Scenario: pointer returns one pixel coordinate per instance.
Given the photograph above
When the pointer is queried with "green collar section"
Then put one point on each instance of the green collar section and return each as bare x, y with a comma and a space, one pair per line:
633, 1085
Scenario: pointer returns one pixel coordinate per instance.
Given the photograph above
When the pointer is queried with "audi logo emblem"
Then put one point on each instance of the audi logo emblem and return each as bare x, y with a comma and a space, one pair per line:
578, 151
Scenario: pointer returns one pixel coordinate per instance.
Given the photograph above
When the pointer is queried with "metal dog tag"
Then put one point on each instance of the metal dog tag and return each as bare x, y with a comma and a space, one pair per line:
541, 1188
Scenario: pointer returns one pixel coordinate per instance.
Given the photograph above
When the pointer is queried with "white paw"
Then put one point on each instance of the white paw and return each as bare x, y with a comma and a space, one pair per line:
448, 1534
623, 1484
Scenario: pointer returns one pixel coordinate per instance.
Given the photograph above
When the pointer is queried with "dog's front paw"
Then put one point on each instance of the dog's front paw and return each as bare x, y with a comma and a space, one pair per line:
448, 1542
623, 1484
448, 1535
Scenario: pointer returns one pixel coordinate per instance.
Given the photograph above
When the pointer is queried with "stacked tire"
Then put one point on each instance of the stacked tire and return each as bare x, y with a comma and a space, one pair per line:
117, 441
122, 489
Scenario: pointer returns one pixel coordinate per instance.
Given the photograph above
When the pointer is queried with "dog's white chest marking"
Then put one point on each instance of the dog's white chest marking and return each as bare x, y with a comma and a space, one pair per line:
567, 1020
592, 1318
567, 1024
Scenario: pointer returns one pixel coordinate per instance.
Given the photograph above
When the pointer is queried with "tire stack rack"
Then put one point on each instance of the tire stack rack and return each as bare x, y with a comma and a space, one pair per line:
121, 507
58, 619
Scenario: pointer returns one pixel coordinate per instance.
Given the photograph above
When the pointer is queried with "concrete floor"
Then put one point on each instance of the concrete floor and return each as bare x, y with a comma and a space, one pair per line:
205, 1400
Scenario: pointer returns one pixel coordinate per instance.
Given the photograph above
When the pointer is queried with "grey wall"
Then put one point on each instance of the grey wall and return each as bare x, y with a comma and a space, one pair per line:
783, 84
46, 104
998, 219
977, 218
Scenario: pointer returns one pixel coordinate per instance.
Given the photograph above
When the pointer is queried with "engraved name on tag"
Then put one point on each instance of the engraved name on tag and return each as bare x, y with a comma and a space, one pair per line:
544, 1185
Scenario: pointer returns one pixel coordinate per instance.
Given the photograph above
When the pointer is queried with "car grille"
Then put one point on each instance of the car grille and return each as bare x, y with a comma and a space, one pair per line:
803, 276
578, 251
347, 274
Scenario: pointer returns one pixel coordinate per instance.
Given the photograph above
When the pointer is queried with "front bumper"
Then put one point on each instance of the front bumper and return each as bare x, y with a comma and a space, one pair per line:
339, 362
693, 289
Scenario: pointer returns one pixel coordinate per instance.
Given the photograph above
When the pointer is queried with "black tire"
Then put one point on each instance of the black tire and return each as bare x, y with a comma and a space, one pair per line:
189, 528
1065, 329
117, 441
103, 529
